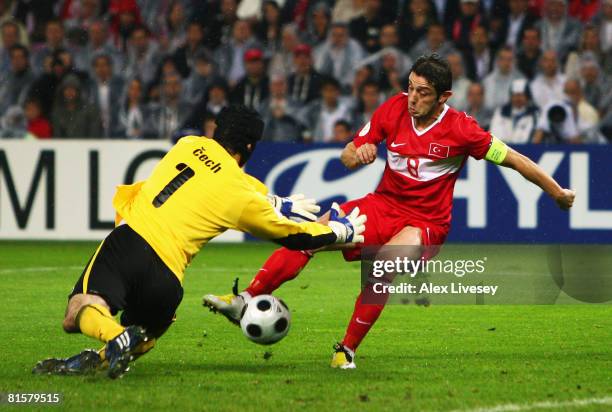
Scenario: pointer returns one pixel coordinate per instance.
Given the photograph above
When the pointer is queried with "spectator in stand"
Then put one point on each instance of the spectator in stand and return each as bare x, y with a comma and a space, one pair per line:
389, 36
585, 115
282, 60
321, 115
363, 74
557, 124
559, 32
184, 57
99, 42
548, 84
476, 107
465, 24
143, 56
366, 28
446, 12
604, 21
369, 100
201, 77
390, 66
105, 91
417, 17
13, 124
221, 23
529, 53
37, 124
54, 40
590, 46
497, 83
131, 113
217, 97
10, 37
81, 14
165, 118
254, 87
305, 83
595, 84
269, 29
45, 86
515, 122
515, 23
339, 55
72, 117
342, 132
125, 17
319, 22
230, 56
458, 99
434, 42
583, 10
174, 27
480, 58
278, 113
15, 85
10, 13
68, 59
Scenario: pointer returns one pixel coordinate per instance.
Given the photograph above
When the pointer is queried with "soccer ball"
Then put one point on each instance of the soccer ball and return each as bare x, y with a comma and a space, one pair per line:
265, 319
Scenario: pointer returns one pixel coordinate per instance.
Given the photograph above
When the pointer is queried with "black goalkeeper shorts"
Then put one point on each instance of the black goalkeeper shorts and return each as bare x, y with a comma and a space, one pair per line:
127, 273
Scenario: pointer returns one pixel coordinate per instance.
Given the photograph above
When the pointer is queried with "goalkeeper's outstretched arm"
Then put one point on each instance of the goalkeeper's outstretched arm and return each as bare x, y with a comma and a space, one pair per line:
260, 219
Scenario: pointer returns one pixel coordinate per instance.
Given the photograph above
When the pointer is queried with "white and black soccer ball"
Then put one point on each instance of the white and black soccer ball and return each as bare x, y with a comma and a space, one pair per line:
265, 319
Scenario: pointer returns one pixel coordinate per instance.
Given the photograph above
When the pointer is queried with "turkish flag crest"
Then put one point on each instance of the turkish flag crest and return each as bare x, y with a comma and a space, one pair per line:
438, 150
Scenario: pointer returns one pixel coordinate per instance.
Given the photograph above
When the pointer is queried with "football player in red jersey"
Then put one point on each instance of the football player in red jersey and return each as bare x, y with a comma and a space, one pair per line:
427, 143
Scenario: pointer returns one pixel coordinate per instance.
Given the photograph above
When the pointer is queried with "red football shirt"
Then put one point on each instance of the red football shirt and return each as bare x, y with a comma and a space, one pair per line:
422, 166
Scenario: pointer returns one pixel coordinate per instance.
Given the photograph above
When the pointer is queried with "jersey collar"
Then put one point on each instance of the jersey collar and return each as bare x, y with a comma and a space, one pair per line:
438, 120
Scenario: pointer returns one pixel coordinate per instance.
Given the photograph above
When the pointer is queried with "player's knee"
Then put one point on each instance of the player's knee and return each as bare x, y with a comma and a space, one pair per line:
69, 325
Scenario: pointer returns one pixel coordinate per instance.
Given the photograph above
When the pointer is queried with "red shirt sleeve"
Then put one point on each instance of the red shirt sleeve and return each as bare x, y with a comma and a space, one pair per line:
374, 131
477, 139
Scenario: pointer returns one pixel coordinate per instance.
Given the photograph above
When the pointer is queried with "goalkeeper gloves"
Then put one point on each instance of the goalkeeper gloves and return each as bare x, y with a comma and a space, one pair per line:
348, 229
295, 207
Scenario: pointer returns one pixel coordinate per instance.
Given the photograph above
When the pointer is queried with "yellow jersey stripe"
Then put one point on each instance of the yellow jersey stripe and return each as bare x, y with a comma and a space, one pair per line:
88, 270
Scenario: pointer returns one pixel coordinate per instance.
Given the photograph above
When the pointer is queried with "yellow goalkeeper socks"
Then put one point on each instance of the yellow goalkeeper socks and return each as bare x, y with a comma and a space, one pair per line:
97, 322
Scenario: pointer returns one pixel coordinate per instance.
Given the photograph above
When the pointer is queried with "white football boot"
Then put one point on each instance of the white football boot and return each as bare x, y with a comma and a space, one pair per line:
231, 305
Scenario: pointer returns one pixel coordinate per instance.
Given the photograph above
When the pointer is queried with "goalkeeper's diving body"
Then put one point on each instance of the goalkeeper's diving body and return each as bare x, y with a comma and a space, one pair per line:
196, 192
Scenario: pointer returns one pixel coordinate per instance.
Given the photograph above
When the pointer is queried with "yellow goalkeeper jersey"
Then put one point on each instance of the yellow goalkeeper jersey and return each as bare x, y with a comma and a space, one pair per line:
196, 192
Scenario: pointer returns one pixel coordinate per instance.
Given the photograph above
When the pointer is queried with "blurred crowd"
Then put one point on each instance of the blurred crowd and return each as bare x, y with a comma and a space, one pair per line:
528, 70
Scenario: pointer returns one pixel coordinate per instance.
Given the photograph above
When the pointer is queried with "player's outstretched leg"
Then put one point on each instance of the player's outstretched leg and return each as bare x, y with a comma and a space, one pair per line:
369, 304
282, 266
363, 318
86, 362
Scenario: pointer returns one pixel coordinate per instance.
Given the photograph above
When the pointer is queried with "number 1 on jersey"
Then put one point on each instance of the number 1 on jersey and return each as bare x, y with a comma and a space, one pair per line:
179, 180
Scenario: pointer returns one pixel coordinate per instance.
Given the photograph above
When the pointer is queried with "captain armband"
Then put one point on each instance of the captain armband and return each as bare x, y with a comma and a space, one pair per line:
497, 151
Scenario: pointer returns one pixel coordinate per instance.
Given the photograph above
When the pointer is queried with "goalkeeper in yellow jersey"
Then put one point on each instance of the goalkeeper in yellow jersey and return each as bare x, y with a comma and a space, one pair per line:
196, 192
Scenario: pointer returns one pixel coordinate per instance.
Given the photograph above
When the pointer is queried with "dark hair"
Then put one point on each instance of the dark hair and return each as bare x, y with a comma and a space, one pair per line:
105, 56
436, 70
343, 123
21, 48
237, 127
369, 83
330, 81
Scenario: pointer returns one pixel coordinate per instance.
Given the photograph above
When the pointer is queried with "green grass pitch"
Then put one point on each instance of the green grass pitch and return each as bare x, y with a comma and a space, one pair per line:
415, 359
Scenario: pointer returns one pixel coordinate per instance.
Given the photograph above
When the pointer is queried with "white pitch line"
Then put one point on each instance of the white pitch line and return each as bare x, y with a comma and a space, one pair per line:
512, 407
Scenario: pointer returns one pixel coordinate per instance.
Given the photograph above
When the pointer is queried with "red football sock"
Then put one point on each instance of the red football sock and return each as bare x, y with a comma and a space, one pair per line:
281, 266
364, 317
